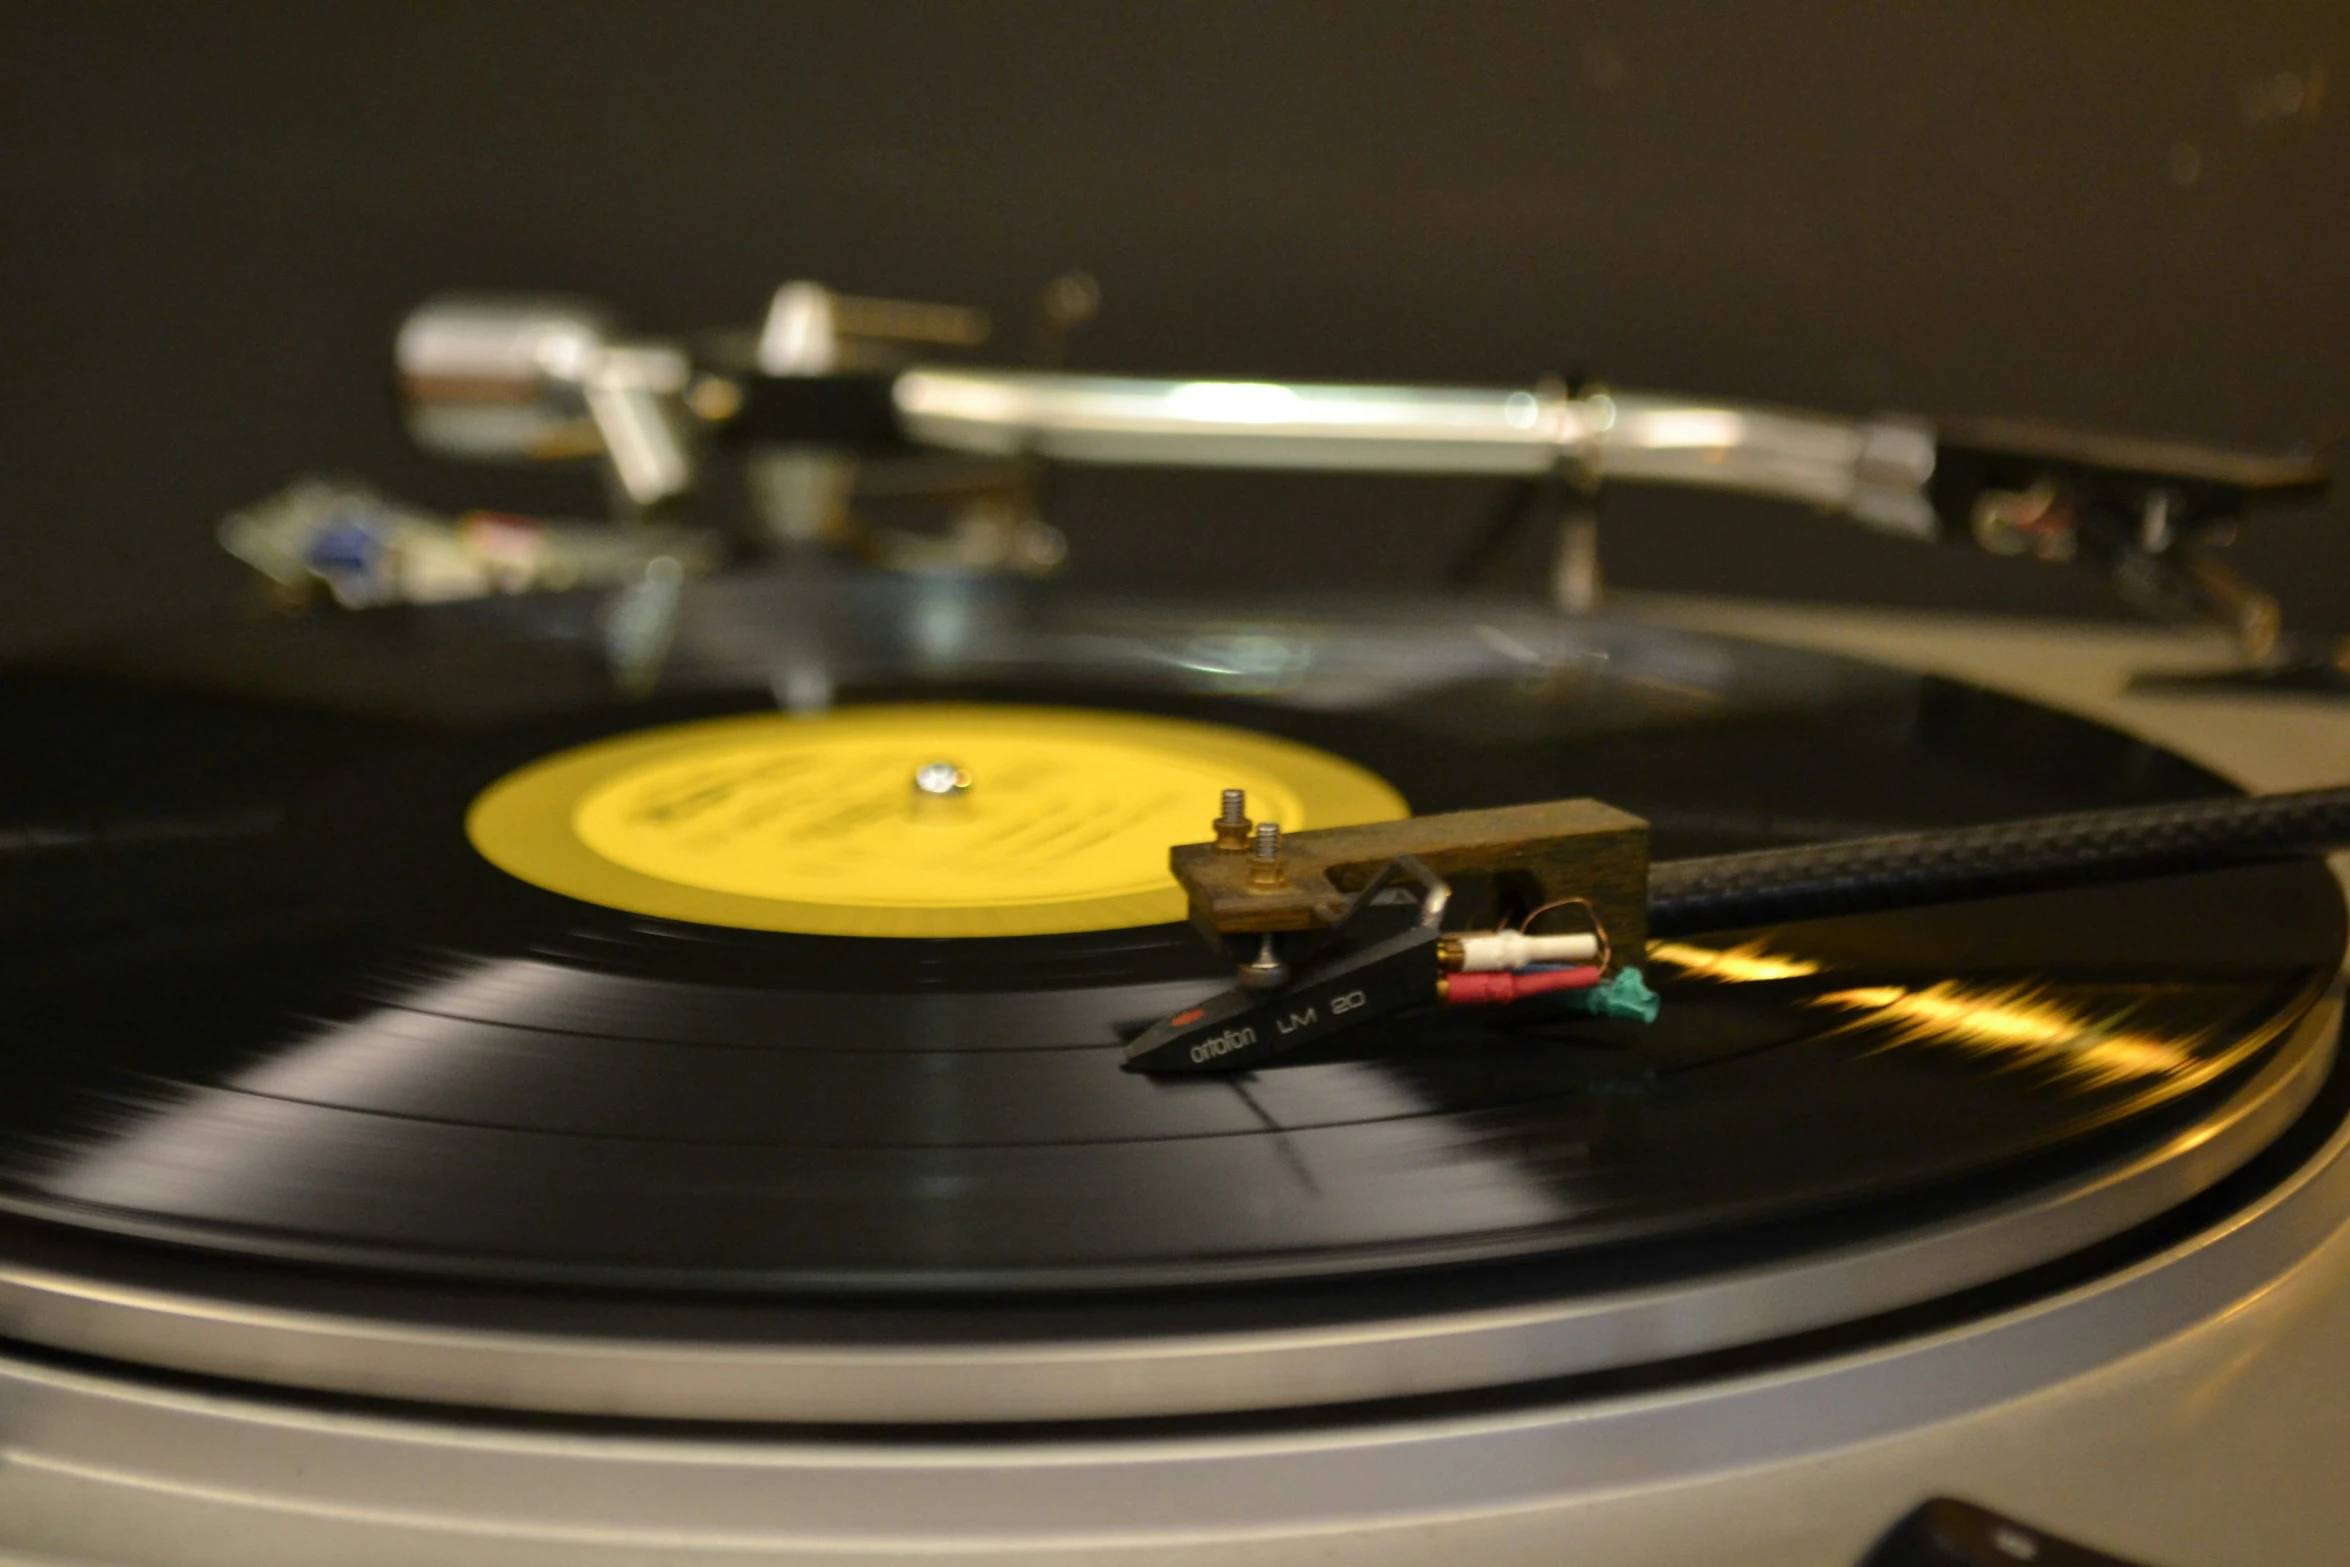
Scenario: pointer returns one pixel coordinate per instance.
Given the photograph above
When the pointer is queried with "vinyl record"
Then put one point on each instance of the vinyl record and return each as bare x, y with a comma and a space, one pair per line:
272, 990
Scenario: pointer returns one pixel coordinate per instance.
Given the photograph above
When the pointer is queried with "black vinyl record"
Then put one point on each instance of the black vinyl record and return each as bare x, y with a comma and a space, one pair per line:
260, 996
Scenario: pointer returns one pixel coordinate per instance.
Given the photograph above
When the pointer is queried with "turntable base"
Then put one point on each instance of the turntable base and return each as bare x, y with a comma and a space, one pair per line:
2187, 1409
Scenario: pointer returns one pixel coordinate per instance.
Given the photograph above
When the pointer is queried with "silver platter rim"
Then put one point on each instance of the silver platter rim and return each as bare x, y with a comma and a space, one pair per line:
1204, 1373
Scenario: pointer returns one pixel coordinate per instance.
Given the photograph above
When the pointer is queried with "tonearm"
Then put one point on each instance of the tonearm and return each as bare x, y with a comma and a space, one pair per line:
1335, 928
829, 381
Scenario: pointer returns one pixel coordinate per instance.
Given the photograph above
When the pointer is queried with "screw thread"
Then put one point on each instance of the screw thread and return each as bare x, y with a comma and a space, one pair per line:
1235, 807
1268, 840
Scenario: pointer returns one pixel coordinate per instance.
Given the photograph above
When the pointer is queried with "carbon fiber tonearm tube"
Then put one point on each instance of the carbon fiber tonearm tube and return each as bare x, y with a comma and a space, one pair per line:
1900, 870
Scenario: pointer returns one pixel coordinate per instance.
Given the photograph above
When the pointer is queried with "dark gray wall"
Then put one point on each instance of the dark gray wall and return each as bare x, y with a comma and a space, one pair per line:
2105, 213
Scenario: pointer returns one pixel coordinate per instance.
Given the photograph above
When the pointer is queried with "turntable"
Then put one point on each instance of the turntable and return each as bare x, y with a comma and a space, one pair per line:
637, 1075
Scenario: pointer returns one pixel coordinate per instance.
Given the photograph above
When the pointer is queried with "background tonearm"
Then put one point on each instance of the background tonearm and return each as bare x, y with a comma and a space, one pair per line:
828, 381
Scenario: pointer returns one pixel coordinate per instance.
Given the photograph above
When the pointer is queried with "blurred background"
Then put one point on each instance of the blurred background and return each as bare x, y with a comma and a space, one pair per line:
2129, 215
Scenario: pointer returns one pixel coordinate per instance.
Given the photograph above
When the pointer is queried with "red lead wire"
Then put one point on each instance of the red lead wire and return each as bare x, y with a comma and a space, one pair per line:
1477, 990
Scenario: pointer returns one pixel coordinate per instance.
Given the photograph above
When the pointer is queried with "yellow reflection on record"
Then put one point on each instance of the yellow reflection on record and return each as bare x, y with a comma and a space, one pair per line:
2025, 1025
1747, 964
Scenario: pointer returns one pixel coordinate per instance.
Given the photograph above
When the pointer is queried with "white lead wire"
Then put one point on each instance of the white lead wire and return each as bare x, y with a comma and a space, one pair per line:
1491, 951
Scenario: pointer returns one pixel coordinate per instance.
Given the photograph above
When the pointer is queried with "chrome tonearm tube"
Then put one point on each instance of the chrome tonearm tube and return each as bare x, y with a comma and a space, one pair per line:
495, 378
1876, 471
829, 382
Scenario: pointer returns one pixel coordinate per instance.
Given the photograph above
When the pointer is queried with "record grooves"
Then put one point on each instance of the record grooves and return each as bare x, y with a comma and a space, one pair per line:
347, 1040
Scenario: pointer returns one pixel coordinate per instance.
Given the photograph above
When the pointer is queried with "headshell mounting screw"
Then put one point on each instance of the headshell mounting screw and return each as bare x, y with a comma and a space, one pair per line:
1264, 862
1232, 824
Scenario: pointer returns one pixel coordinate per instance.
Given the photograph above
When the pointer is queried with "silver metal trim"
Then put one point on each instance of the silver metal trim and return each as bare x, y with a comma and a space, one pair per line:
1129, 1377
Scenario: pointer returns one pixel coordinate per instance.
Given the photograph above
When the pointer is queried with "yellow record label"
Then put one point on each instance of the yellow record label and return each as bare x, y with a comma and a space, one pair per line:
1024, 821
